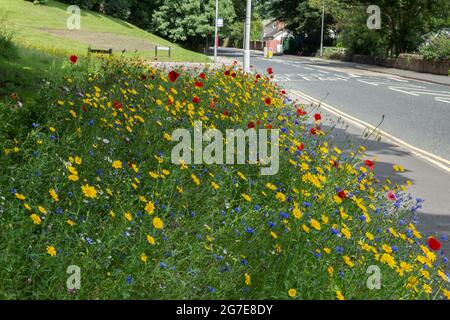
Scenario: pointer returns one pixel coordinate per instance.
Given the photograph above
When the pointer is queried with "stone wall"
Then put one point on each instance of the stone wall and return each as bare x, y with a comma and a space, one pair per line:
411, 62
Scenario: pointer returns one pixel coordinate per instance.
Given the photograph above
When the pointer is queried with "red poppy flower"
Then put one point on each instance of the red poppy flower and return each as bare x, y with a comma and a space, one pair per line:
233, 75
300, 147
391, 196
369, 164
196, 99
283, 92
317, 117
84, 108
434, 244
258, 76
258, 122
173, 76
227, 73
198, 84
341, 194
117, 105
301, 112
250, 125
73, 59
268, 101
335, 164
202, 76
313, 131
269, 70
226, 113
269, 126
143, 77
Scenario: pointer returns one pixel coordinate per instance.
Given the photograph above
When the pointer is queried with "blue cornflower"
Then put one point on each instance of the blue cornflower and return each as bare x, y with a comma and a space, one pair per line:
249, 230
129, 279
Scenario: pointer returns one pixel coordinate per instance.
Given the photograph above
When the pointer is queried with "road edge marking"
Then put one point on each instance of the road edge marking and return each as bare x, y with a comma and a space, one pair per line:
436, 160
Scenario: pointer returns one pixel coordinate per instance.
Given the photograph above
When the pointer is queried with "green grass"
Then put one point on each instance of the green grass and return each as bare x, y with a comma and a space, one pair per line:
26, 19
24, 73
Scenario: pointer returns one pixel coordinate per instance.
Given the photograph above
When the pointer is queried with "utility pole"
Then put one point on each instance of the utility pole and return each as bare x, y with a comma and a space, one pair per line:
216, 32
248, 19
323, 25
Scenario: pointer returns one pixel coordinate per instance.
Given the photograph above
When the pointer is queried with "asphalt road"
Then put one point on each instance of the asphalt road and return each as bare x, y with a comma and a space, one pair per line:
414, 111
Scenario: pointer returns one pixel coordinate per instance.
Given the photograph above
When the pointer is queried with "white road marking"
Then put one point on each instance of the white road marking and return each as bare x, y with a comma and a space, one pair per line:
444, 100
430, 157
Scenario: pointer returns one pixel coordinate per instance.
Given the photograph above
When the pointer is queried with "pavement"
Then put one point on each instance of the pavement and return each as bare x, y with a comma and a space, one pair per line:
411, 112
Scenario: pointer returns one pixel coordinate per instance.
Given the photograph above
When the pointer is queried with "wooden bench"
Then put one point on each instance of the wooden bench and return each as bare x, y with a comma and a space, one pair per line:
100, 51
161, 48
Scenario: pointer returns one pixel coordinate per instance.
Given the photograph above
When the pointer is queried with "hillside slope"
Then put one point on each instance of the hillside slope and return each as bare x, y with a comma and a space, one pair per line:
44, 27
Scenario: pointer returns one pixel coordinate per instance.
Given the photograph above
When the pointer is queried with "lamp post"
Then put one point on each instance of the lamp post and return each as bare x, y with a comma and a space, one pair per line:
216, 31
323, 25
248, 19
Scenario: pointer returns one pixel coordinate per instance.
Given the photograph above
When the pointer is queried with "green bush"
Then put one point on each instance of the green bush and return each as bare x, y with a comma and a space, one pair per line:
439, 48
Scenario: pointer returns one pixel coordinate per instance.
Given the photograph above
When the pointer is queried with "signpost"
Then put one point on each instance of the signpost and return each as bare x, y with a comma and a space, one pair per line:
216, 31
248, 19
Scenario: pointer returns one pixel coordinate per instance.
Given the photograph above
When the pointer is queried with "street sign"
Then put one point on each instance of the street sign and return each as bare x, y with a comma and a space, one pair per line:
220, 22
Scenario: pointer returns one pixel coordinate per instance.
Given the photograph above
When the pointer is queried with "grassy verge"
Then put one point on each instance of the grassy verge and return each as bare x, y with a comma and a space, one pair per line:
31, 22
87, 180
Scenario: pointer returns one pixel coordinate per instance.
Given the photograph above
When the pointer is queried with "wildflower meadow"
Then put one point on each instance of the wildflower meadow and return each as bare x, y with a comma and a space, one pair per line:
88, 188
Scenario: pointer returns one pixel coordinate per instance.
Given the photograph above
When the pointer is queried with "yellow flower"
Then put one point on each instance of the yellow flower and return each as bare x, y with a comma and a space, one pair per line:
77, 160
248, 280
246, 197
89, 191
144, 258
128, 216
117, 164
339, 295
51, 251
369, 236
387, 248
74, 178
292, 293
70, 222
150, 207
426, 288
157, 223
273, 234
54, 195
330, 270
280, 197
315, 224
271, 186
348, 261
388, 259
42, 210
20, 196
215, 185
36, 219
446, 293
242, 176
195, 179
296, 211
346, 233
150, 239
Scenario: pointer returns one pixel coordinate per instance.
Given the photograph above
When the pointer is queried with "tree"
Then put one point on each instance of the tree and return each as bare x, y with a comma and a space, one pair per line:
403, 22
304, 21
191, 21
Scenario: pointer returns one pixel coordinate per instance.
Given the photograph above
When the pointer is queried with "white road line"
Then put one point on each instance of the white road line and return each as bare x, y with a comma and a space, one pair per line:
445, 100
430, 157
371, 83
